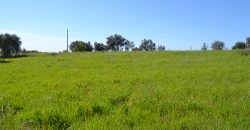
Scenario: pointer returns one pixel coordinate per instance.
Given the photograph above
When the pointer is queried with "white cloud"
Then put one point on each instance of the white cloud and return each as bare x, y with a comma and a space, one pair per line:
40, 42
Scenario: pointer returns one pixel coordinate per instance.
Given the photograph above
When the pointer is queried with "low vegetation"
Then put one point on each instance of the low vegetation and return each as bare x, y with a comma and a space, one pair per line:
126, 90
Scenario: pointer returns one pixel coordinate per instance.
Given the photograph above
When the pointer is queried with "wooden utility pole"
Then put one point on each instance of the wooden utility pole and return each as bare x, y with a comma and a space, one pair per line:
67, 40
247, 42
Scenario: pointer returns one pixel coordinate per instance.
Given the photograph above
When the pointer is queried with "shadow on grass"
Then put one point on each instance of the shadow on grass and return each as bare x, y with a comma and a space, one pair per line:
15, 56
4, 61
245, 52
2, 58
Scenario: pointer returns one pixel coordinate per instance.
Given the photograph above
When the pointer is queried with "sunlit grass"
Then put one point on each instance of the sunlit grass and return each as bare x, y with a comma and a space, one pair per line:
137, 90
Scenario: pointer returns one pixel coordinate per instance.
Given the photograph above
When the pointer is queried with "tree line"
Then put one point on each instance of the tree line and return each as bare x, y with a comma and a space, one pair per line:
10, 44
115, 42
220, 45
119, 43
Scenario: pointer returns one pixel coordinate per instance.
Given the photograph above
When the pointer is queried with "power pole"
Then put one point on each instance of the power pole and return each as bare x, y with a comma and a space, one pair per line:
67, 40
247, 42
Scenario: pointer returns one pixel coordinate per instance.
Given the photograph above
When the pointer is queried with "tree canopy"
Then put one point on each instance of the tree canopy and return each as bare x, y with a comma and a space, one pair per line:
161, 48
115, 42
218, 45
204, 47
100, 47
239, 45
147, 45
10, 43
80, 46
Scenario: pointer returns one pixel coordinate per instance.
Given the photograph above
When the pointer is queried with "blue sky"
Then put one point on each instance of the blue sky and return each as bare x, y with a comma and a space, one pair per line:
177, 24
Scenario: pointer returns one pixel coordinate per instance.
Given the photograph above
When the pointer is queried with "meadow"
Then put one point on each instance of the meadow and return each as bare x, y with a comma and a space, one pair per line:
118, 90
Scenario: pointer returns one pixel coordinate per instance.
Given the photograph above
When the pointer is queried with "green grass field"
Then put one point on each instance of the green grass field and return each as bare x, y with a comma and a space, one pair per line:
137, 90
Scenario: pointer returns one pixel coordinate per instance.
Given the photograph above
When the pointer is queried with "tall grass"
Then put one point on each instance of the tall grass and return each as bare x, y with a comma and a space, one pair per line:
138, 90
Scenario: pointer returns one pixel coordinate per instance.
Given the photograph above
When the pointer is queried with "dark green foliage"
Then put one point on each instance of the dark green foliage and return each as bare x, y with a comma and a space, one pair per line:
98, 109
80, 46
161, 48
29, 51
100, 47
136, 49
147, 45
204, 47
89, 47
239, 45
77, 46
9, 43
115, 42
218, 45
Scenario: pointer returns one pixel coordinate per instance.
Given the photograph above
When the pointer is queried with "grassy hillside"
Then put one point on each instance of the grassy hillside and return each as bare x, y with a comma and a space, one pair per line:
139, 90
